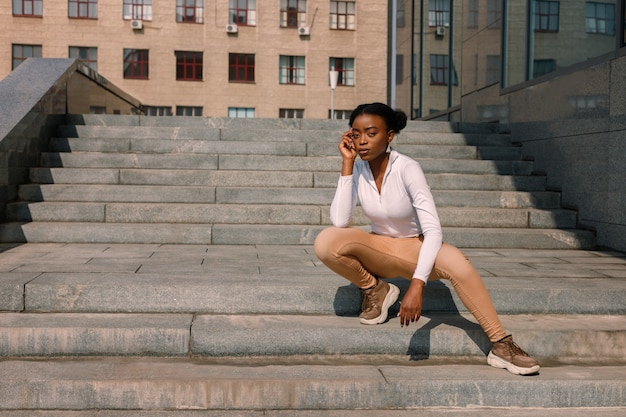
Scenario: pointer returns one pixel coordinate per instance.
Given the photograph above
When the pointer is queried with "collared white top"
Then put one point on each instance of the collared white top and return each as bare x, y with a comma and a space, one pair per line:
404, 207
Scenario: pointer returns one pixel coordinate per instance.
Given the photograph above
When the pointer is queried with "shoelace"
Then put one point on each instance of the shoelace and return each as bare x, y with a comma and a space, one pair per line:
368, 303
514, 349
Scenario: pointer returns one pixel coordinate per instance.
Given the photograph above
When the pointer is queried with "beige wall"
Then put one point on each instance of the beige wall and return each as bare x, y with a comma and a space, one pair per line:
162, 36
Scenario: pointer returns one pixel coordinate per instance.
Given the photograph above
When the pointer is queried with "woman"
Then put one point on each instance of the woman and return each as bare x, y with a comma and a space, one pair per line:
406, 237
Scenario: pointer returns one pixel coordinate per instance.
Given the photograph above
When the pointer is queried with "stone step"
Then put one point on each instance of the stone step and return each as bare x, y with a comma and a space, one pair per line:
163, 122
563, 338
211, 212
269, 287
470, 411
267, 163
266, 195
291, 148
153, 384
277, 123
251, 178
269, 234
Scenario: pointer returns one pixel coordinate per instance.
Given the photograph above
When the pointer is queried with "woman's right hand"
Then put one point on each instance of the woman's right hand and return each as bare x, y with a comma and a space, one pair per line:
346, 146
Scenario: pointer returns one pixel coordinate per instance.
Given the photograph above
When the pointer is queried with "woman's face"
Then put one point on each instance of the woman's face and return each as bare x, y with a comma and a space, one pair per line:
371, 136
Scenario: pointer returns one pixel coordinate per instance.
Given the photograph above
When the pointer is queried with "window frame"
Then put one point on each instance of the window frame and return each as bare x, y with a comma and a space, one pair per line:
438, 13
284, 113
183, 6
543, 22
246, 112
130, 6
90, 5
90, 62
292, 17
442, 70
342, 15
242, 12
292, 70
609, 22
188, 60
21, 58
136, 64
194, 111
33, 6
241, 67
346, 76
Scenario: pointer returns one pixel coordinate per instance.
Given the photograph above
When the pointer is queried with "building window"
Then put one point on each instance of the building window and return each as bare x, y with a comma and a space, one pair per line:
543, 66
494, 14
22, 52
291, 69
242, 112
83, 9
600, 18
241, 68
188, 66
188, 111
85, 54
27, 7
494, 69
291, 113
345, 68
242, 12
439, 70
136, 64
292, 13
438, 12
546, 16
137, 9
472, 14
340, 114
190, 11
157, 110
343, 15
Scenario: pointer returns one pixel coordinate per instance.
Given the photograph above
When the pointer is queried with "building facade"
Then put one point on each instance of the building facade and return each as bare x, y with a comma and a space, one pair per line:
238, 58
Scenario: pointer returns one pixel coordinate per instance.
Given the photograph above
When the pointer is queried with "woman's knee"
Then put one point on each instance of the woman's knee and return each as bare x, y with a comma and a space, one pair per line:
329, 241
323, 245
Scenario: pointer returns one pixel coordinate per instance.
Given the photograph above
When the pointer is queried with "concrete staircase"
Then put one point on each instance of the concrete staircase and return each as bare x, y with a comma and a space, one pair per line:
168, 271
217, 181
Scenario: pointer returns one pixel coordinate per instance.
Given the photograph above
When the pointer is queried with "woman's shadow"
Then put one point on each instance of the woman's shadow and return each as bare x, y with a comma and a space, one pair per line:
439, 306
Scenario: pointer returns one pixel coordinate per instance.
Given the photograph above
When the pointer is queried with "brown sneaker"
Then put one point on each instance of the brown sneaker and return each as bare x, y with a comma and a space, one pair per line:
377, 301
505, 354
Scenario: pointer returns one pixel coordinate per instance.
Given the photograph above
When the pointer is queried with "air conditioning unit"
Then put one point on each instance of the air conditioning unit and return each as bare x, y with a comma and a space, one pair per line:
231, 28
441, 30
304, 31
136, 24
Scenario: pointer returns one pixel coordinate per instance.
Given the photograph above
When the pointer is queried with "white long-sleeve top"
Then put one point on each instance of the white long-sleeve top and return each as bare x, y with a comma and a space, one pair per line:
404, 207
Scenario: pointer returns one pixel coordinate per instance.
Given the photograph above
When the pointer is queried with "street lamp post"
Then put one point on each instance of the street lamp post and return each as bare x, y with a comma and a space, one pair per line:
334, 76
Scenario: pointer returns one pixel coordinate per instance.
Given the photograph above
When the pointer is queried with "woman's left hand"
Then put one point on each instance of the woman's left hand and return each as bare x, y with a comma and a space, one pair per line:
411, 305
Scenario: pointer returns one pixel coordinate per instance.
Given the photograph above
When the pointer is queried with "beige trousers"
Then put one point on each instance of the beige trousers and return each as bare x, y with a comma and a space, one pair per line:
361, 257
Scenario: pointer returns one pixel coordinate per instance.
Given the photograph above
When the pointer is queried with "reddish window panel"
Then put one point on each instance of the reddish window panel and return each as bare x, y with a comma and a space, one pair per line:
188, 66
28, 8
136, 64
83, 9
190, 11
242, 12
241, 67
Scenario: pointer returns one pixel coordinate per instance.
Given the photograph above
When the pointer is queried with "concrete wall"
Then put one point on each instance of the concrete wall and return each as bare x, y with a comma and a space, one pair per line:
574, 127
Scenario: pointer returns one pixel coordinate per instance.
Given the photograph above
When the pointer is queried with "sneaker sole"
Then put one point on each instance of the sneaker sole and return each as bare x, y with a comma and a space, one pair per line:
500, 363
390, 298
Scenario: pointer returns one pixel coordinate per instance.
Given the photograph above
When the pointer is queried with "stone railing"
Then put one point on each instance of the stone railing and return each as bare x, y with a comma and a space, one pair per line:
34, 100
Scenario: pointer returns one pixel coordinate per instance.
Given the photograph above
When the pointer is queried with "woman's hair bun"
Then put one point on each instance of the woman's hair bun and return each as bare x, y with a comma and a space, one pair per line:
395, 119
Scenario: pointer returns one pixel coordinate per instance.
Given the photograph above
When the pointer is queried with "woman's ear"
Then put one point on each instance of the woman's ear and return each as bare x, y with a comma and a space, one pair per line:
390, 135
